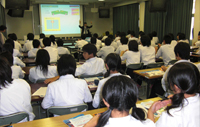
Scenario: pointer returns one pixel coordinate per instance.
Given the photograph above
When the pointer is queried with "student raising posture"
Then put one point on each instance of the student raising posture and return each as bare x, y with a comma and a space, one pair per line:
43, 70
67, 90
120, 94
184, 111
15, 93
36, 46
61, 50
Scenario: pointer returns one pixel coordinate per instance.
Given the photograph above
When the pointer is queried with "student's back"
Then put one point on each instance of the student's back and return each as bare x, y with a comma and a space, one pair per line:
33, 52
29, 43
61, 49
82, 42
122, 47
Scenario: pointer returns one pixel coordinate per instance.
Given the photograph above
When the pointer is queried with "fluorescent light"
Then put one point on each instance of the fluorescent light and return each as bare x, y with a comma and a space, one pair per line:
101, 0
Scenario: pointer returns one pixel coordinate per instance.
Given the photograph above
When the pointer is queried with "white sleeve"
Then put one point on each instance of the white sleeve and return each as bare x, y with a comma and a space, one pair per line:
97, 96
21, 75
67, 51
164, 79
81, 70
31, 75
19, 62
100, 52
124, 56
48, 100
87, 93
117, 51
159, 53
166, 120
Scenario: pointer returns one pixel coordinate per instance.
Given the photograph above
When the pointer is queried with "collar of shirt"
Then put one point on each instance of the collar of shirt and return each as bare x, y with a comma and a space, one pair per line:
191, 99
183, 61
91, 59
68, 76
115, 74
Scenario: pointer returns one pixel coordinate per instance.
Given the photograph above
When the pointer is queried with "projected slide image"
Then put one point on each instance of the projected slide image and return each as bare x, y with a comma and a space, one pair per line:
75, 11
52, 24
59, 12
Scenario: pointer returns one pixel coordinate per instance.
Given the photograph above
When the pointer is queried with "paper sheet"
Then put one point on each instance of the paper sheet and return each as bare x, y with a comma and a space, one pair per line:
91, 79
81, 121
40, 92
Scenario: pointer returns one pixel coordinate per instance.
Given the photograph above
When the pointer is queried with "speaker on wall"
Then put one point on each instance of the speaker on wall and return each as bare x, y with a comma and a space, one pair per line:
157, 5
18, 4
16, 13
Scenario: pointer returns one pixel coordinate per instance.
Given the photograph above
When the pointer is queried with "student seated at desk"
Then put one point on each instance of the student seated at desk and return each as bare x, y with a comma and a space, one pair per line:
15, 93
53, 52
16, 60
113, 43
166, 51
67, 90
17, 46
43, 69
82, 42
16, 52
36, 46
16, 70
99, 43
106, 36
53, 41
104, 51
173, 42
154, 37
61, 50
28, 44
42, 36
122, 35
132, 37
122, 47
113, 66
182, 38
147, 52
93, 41
184, 111
120, 94
92, 65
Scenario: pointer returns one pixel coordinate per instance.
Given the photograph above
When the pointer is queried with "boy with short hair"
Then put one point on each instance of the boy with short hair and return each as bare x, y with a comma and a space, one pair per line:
98, 41
82, 42
124, 45
33, 52
61, 50
29, 42
132, 37
107, 34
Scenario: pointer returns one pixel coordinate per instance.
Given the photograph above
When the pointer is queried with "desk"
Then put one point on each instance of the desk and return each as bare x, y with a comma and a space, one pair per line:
29, 61
148, 78
58, 121
26, 70
193, 48
25, 54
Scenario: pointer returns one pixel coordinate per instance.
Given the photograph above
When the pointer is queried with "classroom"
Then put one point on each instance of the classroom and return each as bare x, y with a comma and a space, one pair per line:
95, 63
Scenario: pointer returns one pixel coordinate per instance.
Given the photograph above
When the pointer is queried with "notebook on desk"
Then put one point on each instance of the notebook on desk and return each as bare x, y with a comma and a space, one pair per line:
40, 92
90, 81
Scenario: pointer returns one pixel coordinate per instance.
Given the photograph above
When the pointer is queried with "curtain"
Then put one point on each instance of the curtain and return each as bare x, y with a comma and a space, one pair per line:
126, 18
2, 18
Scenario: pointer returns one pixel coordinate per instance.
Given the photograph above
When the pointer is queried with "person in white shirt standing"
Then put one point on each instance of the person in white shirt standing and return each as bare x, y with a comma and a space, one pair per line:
29, 43
104, 51
166, 51
53, 52
82, 42
36, 46
61, 50
15, 93
122, 47
2, 37
67, 90
106, 36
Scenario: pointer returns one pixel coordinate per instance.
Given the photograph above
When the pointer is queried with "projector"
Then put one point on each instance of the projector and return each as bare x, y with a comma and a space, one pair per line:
94, 10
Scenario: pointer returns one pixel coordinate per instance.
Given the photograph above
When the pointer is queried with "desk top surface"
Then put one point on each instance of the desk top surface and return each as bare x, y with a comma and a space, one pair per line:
143, 74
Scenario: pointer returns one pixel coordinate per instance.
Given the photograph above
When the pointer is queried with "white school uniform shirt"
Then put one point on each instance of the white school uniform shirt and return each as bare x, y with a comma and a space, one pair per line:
17, 72
80, 44
173, 43
28, 45
188, 116
33, 52
91, 66
18, 46
128, 121
153, 43
118, 43
128, 36
67, 91
17, 61
2, 38
186, 41
41, 42
63, 50
131, 57
167, 53
117, 38
133, 38
114, 45
155, 39
53, 53
197, 43
104, 51
16, 97
99, 43
35, 73
104, 38
16, 53
121, 48
54, 45
147, 54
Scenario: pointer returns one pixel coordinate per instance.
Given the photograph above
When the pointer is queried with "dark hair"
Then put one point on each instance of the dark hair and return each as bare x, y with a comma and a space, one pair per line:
167, 39
66, 65
42, 35
121, 93
133, 33
124, 40
129, 31
3, 27
172, 36
42, 61
11, 42
182, 36
107, 33
133, 46
95, 35
113, 62
30, 36
150, 35
108, 41
7, 47
154, 33
183, 50
85, 22
93, 40
83, 36
47, 41
90, 49
13, 36
60, 42
36, 43
111, 37
117, 33
8, 56
145, 40
185, 76
5, 72
122, 34
141, 33
53, 39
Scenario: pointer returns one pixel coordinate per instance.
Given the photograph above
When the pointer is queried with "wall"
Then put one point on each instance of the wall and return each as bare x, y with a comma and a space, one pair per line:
196, 20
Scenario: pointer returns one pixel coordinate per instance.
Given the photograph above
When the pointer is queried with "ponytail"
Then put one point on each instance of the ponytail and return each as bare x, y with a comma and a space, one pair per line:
103, 119
107, 74
177, 101
138, 113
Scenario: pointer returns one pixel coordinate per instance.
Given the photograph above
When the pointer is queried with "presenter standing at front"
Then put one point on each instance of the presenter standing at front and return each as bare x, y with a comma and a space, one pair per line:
85, 29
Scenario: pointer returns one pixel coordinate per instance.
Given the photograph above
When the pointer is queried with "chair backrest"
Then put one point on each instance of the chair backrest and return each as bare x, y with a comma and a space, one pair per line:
172, 62
155, 65
63, 110
87, 76
13, 118
135, 66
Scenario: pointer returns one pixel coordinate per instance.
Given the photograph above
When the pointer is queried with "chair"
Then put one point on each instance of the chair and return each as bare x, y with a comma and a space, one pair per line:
172, 62
13, 118
63, 110
155, 65
88, 76
134, 66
